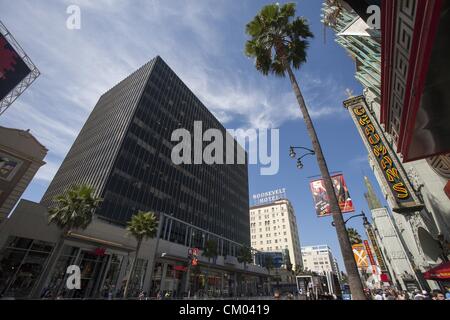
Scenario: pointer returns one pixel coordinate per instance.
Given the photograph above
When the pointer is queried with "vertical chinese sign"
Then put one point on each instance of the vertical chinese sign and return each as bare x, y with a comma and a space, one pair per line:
395, 179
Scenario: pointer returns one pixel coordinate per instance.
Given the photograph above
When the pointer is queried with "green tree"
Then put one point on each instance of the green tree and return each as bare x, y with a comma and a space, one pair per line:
245, 256
143, 225
354, 236
72, 210
278, 42
210, 251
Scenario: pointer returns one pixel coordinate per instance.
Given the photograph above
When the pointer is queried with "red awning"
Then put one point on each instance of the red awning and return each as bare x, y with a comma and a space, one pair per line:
441, 272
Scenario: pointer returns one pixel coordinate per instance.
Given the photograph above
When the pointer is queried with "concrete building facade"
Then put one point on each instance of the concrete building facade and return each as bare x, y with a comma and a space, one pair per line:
425, 179
319, 259
21, 156
273, 227
104, 253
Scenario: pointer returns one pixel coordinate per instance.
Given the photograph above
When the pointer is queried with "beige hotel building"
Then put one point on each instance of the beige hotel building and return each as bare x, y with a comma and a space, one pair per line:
273, 228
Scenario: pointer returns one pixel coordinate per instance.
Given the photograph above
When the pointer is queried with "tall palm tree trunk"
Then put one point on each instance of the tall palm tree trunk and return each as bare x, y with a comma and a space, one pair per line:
133, 266
346, 248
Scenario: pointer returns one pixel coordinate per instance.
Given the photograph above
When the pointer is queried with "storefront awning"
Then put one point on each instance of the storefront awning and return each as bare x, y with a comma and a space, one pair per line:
441, 272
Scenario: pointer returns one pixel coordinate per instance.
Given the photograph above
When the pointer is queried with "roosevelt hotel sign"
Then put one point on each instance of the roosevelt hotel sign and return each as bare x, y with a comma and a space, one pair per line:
269, 196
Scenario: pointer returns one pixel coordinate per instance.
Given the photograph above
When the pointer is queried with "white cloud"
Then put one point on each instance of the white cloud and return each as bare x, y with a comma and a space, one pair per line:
117, 37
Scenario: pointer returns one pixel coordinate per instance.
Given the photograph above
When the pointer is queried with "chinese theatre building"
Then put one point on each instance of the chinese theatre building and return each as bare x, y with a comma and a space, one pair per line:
403, 114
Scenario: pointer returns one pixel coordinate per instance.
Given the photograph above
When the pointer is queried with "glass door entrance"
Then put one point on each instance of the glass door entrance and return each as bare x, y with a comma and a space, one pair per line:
92, 268
100, 273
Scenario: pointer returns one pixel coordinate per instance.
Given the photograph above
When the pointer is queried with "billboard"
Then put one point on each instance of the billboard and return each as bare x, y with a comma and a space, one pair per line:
394, 178
12, 68
376, 249
360, 254
369, 253
321, 200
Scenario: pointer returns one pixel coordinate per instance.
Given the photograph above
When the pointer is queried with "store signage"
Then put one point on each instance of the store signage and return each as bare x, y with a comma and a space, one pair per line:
391, 170
193, 256
269, 196
369, 253
180, 268
100, 252
360, 256
376, 249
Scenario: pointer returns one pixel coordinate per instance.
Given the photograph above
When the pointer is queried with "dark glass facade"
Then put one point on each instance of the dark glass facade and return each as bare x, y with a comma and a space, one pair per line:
124, 152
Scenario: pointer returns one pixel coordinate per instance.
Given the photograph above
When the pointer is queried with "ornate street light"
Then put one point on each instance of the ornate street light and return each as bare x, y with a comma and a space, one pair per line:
293, 154
362, 214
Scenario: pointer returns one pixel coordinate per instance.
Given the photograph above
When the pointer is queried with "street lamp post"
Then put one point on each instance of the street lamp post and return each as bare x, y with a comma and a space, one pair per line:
362, 214
346, 249
292, 154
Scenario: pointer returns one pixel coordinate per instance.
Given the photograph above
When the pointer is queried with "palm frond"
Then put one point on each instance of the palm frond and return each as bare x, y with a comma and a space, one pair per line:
143, 225
74, 209
277, 39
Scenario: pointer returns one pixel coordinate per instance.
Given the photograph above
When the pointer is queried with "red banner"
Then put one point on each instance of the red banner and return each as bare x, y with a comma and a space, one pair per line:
369, 253
321, 200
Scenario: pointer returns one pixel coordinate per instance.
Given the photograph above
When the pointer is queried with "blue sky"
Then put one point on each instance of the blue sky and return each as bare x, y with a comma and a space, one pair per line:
203, 43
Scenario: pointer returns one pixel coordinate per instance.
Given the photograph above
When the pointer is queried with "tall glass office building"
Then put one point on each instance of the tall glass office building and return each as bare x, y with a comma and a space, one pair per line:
124, 152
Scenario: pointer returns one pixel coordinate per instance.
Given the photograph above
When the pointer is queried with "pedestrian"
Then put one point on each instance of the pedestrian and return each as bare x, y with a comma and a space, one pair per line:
419, 295
276, 295
141, 295
379, 295
447, 293
388, 295
401, 295
438, 295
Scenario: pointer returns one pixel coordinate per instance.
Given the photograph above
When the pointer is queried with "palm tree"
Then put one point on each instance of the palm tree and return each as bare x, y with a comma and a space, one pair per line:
278, 43
245, 256
354, 236
142, 225
210, 251
72, 210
